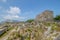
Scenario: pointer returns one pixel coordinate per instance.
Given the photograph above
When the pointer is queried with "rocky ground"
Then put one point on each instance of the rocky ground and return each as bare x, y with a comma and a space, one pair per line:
38, 31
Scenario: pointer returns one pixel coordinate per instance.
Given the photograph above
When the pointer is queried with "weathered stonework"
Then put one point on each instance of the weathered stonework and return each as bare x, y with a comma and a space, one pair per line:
47, 15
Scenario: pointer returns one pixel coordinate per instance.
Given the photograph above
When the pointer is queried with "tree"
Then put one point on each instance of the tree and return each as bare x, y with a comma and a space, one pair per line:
57, 17
30, 20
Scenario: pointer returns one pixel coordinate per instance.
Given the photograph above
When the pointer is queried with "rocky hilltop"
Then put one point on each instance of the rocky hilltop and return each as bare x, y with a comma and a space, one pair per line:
47, 15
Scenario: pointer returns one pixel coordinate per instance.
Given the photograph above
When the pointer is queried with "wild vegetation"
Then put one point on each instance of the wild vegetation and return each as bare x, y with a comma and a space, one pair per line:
57, 17
43, 31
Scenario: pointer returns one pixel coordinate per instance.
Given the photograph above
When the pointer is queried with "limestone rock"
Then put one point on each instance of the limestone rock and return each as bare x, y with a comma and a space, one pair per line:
47, 15
58, 38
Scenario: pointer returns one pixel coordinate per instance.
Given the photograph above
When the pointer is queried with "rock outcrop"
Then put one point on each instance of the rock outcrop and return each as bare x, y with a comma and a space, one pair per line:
47, 15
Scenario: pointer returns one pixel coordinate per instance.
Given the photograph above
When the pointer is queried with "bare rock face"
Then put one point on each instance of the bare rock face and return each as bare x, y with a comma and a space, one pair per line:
47, 15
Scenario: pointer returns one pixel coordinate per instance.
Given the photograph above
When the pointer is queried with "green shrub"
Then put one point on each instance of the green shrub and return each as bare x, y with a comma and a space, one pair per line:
57, 17
30, 20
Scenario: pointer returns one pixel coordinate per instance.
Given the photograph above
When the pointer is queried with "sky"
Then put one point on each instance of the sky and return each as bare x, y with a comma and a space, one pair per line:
23, 10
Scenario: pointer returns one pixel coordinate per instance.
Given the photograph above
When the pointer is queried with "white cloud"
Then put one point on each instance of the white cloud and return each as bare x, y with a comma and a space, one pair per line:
14, 10
11, 17
12, 13
14, 17
3, 0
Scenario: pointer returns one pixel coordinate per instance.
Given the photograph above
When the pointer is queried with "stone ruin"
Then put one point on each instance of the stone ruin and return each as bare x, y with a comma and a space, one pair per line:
45, 16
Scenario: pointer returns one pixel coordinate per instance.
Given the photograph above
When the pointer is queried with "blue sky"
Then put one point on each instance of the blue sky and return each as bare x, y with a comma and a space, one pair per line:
26, 9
